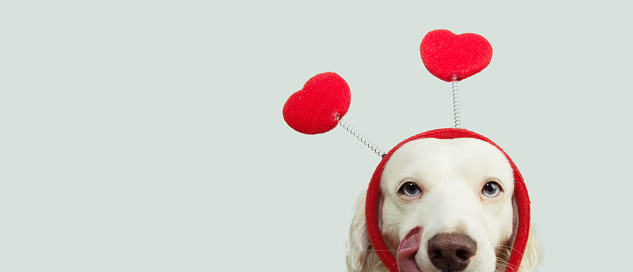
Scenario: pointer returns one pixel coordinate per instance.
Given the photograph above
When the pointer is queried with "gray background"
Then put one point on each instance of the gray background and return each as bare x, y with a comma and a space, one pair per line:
148, 136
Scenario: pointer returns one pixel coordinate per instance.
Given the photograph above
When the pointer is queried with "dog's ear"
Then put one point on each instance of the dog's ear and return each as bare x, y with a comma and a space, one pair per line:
358, 246
533, 253
360, 257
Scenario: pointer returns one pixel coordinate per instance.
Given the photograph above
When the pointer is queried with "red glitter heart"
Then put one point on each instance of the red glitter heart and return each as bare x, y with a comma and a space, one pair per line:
315, 108
454, 57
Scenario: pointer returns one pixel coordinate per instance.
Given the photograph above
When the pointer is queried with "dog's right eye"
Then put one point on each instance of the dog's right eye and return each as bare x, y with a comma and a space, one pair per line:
410, 189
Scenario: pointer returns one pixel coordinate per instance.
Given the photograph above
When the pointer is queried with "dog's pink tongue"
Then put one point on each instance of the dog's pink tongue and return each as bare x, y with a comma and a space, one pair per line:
406, 251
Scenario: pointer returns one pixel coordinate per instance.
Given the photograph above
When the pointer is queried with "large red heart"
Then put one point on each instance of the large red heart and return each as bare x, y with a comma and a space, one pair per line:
454, 57
315, 108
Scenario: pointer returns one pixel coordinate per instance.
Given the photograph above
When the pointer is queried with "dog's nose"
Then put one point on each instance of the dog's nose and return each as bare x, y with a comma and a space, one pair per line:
451, 251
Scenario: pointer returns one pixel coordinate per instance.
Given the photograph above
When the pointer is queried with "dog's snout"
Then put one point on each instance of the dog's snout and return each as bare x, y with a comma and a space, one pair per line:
451, 251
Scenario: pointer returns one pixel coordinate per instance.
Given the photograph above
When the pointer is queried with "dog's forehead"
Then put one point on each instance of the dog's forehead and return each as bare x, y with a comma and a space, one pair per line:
474, 154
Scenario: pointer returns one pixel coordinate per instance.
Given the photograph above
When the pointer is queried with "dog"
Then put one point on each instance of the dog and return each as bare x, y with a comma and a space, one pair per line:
445, 205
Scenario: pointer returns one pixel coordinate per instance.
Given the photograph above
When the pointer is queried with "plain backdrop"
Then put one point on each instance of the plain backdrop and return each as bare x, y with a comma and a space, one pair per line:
148, 135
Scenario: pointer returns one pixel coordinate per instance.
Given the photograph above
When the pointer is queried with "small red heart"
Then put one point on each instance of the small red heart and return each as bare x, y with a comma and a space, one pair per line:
315, 108
454, 57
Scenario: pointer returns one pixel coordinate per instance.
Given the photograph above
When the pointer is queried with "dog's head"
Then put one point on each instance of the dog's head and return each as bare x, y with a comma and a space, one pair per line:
443, 205
446, 204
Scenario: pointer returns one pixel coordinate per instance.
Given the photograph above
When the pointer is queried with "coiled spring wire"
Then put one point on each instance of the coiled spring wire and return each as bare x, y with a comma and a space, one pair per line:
361, 137
456, 112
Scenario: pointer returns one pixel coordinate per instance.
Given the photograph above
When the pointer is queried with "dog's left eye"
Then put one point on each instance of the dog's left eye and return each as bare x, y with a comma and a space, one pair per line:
410, 189
491, 189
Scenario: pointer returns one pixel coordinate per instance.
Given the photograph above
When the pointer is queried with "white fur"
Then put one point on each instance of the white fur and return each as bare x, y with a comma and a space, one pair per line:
451, 174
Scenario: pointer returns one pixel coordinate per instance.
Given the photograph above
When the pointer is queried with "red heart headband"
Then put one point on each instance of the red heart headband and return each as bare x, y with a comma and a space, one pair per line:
325, 99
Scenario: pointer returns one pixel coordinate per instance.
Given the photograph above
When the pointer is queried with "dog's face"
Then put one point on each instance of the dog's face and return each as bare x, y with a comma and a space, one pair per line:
447, 205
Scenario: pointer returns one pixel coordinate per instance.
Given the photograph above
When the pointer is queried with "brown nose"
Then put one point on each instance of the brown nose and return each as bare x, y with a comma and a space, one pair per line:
450, 251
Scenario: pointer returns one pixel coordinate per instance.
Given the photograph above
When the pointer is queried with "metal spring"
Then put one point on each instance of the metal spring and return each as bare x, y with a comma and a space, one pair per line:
362, 138
456, 113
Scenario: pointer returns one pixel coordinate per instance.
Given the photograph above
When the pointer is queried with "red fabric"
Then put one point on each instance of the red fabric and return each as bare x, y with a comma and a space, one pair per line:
373, 197
447, 55
313, 109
